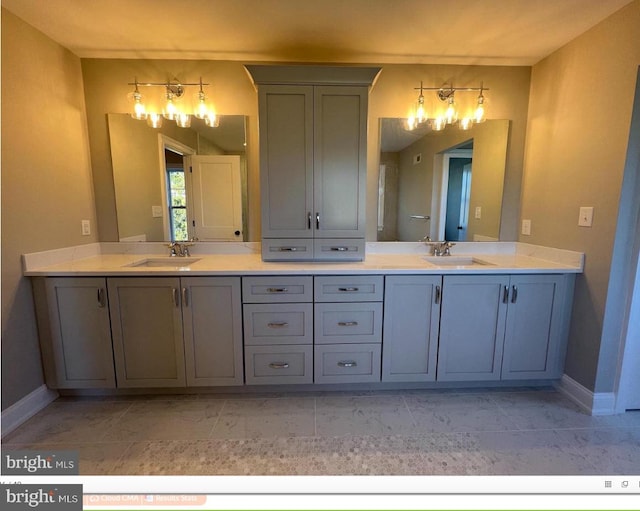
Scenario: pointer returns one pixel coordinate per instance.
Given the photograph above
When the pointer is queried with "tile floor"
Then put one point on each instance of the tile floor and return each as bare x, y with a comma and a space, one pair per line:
416, 432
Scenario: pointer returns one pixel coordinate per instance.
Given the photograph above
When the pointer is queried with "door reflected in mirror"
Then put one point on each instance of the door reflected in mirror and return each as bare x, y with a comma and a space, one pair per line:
177, 183
441, 185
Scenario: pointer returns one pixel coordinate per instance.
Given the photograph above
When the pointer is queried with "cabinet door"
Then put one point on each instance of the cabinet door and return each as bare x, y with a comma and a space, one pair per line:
340, 150
79, 333
534, 327
472, 327
212, 318
410, 330
146, 323
286, 161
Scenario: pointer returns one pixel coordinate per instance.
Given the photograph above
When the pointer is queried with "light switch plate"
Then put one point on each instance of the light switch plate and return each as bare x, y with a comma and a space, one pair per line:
478, 212
586, 216
86, 227
156, 211
417, 158
526, 227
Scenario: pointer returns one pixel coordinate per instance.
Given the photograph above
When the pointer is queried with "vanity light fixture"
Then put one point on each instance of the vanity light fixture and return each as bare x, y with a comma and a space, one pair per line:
172, 110
450, 115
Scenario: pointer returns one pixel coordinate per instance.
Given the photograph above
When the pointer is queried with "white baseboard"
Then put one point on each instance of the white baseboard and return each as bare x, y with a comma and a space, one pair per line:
26, 408
600, 403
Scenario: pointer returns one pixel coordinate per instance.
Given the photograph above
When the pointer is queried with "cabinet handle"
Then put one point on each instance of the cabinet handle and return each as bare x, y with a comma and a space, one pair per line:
348, 323
101, 301
309, 220
438, 295
278, 325
347, 363
185, 296
317, 220
176, 298
514, 294
339, 249
505, 294
287, 249
348, 289
279, 365
277, 289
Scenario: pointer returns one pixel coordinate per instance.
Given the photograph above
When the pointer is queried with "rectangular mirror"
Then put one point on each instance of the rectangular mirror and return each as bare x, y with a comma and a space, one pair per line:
177, 183
441, 184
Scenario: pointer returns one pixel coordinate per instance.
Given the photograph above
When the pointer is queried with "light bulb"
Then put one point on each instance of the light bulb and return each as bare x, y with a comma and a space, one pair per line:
139, 110
183, 120
200, 111
480, 114
465, 124
411, 122
438, 124
170, 109
421, 113
154, 120
451, 115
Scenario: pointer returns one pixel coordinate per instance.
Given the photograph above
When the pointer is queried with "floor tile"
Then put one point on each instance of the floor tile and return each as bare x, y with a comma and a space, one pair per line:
363, 415
82, 421
277, 417
165, 420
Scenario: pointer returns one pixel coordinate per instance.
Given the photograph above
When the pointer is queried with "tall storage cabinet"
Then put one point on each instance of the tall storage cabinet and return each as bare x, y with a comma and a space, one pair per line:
313, 145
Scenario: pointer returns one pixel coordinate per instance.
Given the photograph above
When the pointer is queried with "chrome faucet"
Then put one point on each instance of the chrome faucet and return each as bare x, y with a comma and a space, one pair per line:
177, 249
441, 248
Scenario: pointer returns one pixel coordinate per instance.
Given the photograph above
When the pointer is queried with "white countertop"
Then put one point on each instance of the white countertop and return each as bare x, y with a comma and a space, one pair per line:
113, 259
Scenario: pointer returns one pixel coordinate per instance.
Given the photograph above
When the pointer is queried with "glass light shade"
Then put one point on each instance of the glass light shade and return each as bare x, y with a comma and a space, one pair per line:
170, 110
421, 113
411, 122
212, 120
139, 110
451, 115
438, 124
465, 124
154, 120
480, 114
183, 120
200, 110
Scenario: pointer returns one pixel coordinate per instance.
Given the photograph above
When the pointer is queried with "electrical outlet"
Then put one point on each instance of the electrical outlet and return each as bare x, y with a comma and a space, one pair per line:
156, 211
526, 227
586, 217
86, 227
478, 212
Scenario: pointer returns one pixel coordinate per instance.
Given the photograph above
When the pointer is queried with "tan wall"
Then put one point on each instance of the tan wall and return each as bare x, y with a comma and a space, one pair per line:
106, 92
579, 116
46, 182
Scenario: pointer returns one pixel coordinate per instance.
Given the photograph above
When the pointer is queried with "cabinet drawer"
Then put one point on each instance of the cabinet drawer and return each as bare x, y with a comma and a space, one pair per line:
365, 288
287, 249
348, 323
277, 289
338, 249
347, 363
278, 323
278, 364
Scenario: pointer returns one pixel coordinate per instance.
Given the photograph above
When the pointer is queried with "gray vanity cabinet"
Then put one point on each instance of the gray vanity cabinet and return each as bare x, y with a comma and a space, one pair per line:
313, 171
75, 335
411, 326
212, 319
146, 324
501, 327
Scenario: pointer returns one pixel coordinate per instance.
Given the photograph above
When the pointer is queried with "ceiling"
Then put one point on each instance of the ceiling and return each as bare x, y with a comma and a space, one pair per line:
482, 32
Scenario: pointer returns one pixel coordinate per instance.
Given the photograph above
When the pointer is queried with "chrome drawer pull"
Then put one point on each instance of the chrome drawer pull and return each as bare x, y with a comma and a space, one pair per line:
348, 323
279, 365
277, 289
514, 294
278, 325
287, 249
505, 294
349, 363
339, 249
348, 289
101, 301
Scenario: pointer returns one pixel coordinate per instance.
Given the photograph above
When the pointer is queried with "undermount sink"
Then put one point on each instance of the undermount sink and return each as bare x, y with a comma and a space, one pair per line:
456, 261
164, 262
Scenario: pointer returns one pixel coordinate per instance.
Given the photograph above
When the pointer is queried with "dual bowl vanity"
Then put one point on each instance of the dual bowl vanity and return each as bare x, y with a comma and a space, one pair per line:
126, 315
